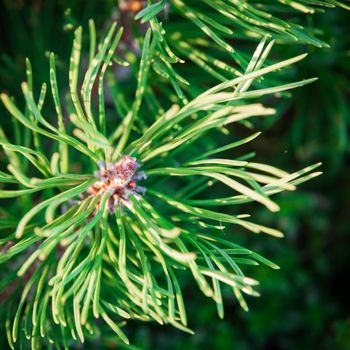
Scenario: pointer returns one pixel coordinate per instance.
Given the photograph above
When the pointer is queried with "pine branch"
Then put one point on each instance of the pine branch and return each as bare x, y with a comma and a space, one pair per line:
89, 244
213, 33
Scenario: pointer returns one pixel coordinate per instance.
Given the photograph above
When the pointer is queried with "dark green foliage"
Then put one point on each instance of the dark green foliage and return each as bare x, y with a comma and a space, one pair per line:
119, 114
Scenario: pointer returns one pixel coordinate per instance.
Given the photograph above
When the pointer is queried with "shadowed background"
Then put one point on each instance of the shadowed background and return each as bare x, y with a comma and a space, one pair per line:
305, 304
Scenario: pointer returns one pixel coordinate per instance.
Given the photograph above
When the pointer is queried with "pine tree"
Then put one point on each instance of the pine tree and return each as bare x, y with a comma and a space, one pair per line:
116, 186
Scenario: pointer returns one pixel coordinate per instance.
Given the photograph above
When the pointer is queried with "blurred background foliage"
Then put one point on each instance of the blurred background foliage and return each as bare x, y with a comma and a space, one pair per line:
304, 305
